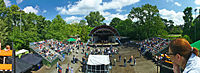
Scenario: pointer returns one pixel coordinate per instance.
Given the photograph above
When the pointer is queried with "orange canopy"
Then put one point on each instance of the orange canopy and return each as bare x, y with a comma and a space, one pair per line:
5, 53
166, 56
5, 66
168, 62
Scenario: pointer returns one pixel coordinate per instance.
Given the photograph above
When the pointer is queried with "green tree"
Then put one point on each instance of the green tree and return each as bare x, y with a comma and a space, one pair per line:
125, 27
115, 21
196, 28
3, 9
82, 22
187, 38
3, 32
148, 21
94, 19
57, 29
187, 22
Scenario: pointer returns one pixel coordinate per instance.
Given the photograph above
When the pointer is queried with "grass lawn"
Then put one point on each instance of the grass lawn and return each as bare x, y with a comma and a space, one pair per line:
172, 36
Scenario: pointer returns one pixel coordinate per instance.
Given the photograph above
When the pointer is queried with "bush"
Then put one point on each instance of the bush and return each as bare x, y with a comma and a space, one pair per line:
187, 38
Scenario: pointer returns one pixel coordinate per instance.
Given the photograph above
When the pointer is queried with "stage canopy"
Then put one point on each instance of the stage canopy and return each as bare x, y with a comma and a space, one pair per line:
98, 60
104, 30
196, 44
71, 40
21, 51
21, 66
32, 59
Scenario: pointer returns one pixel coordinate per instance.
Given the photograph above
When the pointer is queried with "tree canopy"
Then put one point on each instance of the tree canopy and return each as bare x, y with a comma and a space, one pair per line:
148, 24
94, 19
142, 23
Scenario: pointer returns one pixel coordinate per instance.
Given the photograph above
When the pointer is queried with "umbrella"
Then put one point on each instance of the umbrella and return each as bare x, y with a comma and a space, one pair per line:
71, 40
196, 45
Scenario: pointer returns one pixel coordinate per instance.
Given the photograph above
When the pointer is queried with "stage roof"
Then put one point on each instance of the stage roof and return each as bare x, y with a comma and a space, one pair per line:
104, 28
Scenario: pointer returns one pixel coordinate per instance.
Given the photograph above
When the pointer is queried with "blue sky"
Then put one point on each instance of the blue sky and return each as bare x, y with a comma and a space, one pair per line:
76, 10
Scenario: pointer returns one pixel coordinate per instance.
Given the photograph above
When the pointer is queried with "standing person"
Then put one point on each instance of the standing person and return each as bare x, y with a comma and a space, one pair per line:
86, 55
57, 66
82, 51
77, 51
130, 59
72, 71
184, 56
125, 62
134, 61
109, 52
67, 69
139, 49
73, 59
119, 58
82, 44
59, 69
115, 62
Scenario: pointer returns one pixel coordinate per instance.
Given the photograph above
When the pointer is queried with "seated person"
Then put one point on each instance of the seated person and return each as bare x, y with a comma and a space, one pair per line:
7, 48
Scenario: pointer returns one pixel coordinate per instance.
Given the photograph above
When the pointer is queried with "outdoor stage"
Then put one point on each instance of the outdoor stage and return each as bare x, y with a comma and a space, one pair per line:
104, 36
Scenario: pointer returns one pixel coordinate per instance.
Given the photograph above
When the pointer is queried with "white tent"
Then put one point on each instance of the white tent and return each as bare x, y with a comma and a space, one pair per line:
21, 51
98, 64
98, 60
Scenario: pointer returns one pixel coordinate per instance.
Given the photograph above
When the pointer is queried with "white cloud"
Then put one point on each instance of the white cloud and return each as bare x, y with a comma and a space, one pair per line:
197, 7
118, 4
197, 2
178, 4
7, 3
83, 7
177, 17
31, 9
73, 19
108, 16
169, 0
62, 10
44, 11
19, 1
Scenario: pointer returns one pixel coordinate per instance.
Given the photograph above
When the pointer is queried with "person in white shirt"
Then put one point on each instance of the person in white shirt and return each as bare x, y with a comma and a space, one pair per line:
184, 56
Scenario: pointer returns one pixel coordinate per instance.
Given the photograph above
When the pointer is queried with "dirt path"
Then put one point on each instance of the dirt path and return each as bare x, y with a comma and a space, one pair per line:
142, 65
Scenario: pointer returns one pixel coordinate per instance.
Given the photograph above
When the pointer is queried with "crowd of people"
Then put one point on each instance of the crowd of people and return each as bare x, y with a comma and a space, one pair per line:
153, 45
49, 49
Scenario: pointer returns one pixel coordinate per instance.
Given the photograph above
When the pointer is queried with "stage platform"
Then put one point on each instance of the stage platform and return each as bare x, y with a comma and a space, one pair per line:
103, 44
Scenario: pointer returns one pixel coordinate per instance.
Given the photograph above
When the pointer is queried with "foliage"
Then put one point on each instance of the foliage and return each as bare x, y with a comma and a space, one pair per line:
187, 21
148, 24
196, 27
22, 28
187, 38
115, 21
94, 19
3, 32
